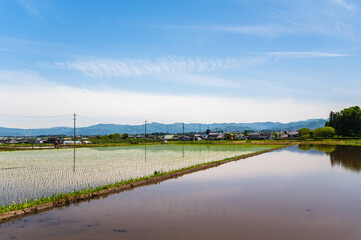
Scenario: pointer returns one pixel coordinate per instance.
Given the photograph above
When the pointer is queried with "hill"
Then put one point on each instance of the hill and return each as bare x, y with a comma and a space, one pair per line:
102, 129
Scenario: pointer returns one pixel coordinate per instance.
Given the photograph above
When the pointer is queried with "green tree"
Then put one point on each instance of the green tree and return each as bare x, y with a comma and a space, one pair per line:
125, 135
346, 122
304, 133
115, 136
230, 136
208, 131
324, 132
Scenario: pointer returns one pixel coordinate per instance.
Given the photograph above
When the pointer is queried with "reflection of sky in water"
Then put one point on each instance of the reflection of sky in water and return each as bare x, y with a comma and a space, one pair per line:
286, 194
41, 173
286, 163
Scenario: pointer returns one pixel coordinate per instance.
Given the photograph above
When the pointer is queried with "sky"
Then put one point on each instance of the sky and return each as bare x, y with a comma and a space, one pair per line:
192, 61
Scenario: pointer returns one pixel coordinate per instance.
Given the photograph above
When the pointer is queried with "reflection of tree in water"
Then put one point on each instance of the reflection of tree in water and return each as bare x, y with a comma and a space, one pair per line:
321, 148
305, 147
348, 157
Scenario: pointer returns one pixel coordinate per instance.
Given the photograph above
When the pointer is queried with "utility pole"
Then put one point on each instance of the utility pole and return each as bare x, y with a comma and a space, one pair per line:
145, 130
200, 129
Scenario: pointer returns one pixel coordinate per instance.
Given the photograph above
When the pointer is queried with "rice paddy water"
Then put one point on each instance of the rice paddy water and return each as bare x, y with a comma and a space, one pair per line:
28, 175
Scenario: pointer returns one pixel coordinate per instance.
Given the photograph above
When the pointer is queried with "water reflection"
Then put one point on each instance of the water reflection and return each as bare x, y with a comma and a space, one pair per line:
74, 162
291, 193
145, 153
348, 157
318, 147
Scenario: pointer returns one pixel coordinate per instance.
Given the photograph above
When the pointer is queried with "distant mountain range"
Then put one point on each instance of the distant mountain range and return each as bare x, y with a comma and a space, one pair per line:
102, 129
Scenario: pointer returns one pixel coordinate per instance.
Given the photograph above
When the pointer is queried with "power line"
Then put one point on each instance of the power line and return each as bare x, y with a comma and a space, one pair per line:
92, 119
54, 116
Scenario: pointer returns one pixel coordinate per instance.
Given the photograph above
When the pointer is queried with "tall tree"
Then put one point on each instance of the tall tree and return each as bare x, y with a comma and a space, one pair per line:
346, 122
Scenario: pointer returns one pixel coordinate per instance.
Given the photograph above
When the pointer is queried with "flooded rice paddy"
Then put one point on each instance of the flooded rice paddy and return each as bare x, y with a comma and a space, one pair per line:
306, 192
42, 173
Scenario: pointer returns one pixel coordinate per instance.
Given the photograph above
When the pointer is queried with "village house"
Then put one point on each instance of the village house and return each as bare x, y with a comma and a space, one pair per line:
170, 137
266, 135
293, 134
212, 136
254, 136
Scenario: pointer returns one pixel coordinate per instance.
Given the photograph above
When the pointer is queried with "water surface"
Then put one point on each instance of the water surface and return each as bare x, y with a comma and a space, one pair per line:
304, 192
42, 173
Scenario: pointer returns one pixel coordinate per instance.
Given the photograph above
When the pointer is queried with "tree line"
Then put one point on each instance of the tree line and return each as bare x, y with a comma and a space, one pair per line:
345, 123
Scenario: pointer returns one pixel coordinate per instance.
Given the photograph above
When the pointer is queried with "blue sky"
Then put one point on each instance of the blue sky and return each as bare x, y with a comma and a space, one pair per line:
177, 61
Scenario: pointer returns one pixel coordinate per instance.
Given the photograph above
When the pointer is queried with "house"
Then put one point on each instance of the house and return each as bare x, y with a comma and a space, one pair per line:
185, 138
197, 137
220, 136
266, 135
170, 137
212, 136
283, 135
4, 140
53, 140
39, 141
71, 142
240, 136
254, 136
293, 134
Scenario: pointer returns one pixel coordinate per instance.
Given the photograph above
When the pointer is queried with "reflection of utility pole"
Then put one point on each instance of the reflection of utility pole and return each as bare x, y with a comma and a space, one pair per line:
145, 153
74, 161
145, 131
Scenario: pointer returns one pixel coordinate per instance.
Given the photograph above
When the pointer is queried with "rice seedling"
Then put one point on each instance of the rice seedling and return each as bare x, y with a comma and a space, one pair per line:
30, 175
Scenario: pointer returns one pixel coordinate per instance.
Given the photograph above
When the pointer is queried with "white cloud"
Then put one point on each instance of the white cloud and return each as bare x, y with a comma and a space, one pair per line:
29, 6
120, 106
106, 67
178, 67
334, 18
207, 81
20, 77
273, 30
304, 54
344, 4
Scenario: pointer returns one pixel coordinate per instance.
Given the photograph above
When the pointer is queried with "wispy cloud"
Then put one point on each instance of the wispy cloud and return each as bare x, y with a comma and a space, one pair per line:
259, 30
30, 7
105, 67
109, 67
164, 108
305, 17
20, 77
4, 50
344, 4
305, 54
207, 81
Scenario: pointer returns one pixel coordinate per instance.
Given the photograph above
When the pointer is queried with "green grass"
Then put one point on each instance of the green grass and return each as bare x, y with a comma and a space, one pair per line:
35, 202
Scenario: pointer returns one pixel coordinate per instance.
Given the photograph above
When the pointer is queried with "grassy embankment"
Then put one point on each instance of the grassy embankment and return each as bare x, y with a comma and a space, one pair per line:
64, 196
